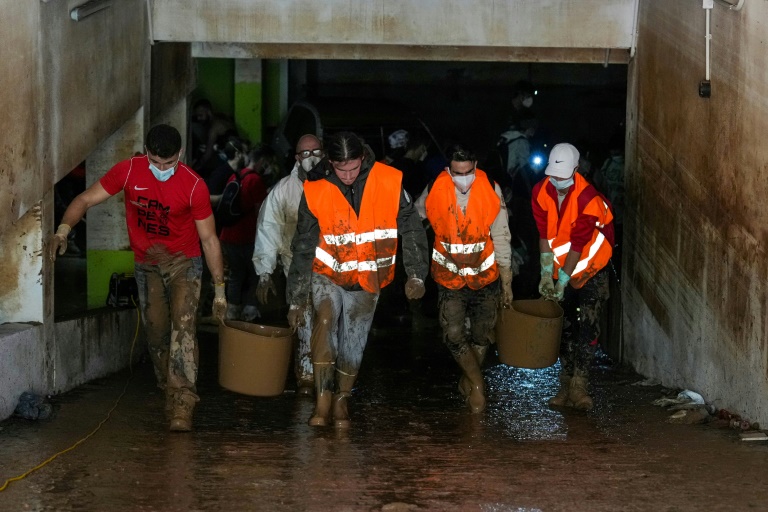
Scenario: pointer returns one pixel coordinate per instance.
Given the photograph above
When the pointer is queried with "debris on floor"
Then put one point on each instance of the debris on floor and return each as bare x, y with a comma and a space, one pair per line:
727, 419
686, 397
689, 408
753, 436
33, 407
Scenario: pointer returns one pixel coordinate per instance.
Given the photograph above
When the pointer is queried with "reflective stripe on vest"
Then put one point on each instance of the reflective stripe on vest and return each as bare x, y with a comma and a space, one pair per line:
357, 249
463, 252
466, 271
349, 266
464, 248
597, 252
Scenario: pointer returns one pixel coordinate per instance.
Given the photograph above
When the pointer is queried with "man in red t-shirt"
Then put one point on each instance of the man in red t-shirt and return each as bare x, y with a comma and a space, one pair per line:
168, 214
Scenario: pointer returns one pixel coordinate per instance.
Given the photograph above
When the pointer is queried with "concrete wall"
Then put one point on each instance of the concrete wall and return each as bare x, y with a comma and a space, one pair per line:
69, 85
86, 348
20, 160
696, 271
21, 289
94, 346
481, 23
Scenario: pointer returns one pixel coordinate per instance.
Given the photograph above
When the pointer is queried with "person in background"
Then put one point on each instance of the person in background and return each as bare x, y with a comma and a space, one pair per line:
237, 241
576, 238
343, 255
234, 152
471, 263
168, 213
207, 131
276, 228
522, 100
397, 143
411, 164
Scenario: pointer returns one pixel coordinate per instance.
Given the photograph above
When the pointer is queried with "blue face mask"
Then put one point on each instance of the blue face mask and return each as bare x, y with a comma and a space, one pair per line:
561, 185
162, 175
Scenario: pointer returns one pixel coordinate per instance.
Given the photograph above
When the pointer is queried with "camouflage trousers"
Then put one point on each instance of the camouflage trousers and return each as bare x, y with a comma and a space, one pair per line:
303, 360
340, 324
480, 307
581, 323
168, 296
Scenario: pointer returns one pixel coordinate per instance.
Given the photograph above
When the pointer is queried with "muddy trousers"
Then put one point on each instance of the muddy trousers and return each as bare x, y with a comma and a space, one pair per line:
303, 359
581, 323
341, 324
168, 297
479, 306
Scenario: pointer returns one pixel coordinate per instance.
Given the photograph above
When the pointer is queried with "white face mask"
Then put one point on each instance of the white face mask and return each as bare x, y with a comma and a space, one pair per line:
162, 175
561, 185
527, 102
308, 163
463, 183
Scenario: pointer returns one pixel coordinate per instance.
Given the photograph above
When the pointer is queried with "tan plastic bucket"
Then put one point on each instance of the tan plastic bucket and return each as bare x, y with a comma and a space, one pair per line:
253, 358
528, 334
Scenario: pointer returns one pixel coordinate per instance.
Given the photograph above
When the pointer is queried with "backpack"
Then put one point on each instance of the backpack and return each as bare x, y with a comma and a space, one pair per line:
229, 210
123, 291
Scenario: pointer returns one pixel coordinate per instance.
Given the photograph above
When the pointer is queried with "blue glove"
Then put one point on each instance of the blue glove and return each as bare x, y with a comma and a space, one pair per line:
562, 282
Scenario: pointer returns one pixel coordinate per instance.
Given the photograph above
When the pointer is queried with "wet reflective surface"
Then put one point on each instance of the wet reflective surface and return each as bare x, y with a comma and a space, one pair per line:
413, 445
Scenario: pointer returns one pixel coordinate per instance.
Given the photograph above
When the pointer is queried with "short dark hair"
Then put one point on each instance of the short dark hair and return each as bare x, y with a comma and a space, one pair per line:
202, 103
258, 150
163, 140
232, 146
460, 153
344, 146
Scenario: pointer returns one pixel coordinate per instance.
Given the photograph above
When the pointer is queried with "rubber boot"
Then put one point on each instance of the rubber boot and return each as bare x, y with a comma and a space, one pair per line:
183, 407
324, 376
305, 388
561, 398
340, 406
476, 396
464, 384
578, 393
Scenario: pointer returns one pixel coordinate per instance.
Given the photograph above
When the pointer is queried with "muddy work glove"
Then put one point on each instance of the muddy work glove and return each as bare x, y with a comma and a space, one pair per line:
296, 316
505, 274
219, 302
414, 288
562, 282
58, 242
546, 286
266, 285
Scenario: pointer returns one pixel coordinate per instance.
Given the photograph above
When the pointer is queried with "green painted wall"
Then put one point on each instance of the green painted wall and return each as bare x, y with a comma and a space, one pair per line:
216, 81
101, 265
248, 110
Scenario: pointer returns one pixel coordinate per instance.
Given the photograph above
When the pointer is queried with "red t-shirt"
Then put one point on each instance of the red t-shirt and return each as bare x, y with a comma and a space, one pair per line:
159, 212
252, 194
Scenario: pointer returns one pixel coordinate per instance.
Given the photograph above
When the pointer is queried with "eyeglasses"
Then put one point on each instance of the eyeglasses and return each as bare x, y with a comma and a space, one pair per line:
310, 152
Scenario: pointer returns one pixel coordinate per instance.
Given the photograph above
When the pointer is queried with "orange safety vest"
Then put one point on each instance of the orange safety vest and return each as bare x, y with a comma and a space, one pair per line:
356, 249
463, 252
598, 251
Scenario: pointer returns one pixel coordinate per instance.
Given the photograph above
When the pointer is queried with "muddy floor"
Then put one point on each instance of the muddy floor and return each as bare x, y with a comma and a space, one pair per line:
413, 445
